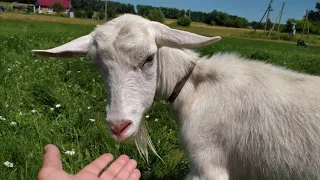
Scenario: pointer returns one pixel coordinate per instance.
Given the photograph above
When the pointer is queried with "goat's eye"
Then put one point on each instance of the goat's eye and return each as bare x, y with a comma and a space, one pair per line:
149, 59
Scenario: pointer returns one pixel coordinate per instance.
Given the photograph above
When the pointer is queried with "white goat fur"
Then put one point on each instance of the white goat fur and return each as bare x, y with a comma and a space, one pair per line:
237, 118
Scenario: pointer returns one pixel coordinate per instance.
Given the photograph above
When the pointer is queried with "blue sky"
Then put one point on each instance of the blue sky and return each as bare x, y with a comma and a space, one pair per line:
251, 9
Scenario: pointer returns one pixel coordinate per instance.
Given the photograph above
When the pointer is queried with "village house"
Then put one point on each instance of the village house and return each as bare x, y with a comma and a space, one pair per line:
45, 6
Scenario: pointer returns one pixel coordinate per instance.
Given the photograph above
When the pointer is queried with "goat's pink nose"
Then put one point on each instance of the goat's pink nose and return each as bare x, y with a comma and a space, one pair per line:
118, 127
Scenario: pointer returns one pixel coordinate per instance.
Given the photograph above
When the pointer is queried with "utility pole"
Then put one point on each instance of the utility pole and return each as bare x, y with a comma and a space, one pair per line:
278, 20
267, 11
306, 21
105, 10
280, 17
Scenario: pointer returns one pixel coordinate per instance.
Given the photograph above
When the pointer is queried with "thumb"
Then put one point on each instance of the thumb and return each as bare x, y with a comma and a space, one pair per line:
51, 157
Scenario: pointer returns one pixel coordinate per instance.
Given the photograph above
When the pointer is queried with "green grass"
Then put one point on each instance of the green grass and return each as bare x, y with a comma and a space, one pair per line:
5, 4
30, 82
311, 40
195, 27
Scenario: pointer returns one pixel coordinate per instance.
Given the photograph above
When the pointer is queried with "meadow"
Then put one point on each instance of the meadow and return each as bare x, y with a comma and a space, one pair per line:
195, 27
62, 101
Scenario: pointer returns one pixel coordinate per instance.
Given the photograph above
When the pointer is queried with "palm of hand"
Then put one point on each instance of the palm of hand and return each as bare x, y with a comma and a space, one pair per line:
121, 169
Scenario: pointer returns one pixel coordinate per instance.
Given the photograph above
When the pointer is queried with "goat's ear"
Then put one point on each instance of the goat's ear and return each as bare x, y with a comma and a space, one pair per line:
166, 36
77, 47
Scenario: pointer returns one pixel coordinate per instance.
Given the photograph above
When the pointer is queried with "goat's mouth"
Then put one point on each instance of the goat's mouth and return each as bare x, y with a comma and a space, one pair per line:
123, 135
123, 130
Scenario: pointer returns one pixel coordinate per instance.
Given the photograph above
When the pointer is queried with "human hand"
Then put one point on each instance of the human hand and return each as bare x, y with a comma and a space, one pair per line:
122, 168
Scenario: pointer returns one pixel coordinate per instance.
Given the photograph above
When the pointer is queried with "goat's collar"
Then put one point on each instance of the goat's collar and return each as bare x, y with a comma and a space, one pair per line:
177, 89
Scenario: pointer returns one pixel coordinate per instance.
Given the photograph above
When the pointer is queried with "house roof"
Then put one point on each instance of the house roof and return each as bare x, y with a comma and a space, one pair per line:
64, 3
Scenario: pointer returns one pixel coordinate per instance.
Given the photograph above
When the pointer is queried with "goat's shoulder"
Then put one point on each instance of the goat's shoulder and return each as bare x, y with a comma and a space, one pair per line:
227, 66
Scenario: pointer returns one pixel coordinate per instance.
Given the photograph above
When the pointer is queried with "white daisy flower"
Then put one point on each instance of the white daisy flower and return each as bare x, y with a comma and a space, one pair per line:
58, 105
13, 123
8, 164
147, 116
92, 120
33, 110
71, 153
118, 146
156, 120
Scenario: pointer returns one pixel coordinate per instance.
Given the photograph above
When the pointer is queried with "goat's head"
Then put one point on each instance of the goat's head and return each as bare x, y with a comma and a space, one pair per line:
124, 50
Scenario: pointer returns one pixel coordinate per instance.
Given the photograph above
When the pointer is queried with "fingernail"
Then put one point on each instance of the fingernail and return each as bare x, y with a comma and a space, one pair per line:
46, 148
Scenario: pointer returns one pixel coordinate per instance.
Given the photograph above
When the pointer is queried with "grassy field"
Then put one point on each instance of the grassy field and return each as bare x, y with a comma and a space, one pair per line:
196, 27
49, 18
5, 4
32, 89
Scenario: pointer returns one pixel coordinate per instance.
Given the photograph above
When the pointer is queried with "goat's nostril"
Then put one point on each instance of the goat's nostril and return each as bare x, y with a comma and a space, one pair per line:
119, 127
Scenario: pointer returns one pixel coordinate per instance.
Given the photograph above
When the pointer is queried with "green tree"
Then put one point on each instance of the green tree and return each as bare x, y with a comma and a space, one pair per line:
111, 13
314, 15
188, 12
101, 14
156, 15
76, 4
143, 10
57, 7
288, 26
184, 21
89, 13
182, 13
269, 24
318, 6
77, 13
257, 25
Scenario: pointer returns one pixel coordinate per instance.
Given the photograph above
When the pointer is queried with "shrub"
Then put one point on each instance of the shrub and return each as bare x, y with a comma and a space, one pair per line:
63, 15
112, 14
286, 37
77, 13
90, 13
57, 7
101, 14
26, 11
83, 14
95, 15
156, 15
184, 21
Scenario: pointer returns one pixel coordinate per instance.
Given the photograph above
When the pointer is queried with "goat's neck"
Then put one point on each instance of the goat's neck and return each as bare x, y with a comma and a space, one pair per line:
173, 65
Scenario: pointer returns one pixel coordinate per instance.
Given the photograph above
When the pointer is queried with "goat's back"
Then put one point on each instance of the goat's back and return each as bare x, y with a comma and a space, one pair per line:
266, 118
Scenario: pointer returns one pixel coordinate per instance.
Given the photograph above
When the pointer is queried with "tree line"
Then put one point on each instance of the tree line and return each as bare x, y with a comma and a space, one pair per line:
85, 8
213, 18
314, 22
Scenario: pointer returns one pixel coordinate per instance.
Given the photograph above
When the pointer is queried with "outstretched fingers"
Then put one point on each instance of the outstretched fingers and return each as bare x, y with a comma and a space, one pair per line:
121, 169
135, 175
97, 165
127, 170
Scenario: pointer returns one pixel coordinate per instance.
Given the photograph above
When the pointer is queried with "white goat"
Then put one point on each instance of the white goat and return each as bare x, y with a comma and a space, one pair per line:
238, 118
